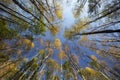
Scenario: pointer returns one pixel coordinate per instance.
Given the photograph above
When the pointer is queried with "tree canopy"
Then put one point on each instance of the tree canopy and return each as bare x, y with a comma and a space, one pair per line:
59, 40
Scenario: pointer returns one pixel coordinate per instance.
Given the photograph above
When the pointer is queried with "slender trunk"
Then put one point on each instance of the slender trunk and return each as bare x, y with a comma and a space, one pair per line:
30, 75
34, 3
106, 12
14, 15
41, 72
99, 32
14, 11
75, 75
61, 70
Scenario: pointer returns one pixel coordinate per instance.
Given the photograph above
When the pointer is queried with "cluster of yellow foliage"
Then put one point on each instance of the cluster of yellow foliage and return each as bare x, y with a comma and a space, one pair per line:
8, 69
54, 30
57, 43
79, 26
76, 28
41, 52
50, 51
90, 70
59, 11
62, 55
53, 65
28, 44
93, 57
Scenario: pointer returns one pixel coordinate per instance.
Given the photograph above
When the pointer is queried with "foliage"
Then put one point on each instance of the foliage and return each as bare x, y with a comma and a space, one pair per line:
93, 6
93, 57
8, 69
52, 65
79, 26
39, 28
25, 43
3, 57
68, 71
84, 38
57, 43
58, 10
74, 58
3, 45
5, 32
91, 74
62, 55
54, 30
22, 22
